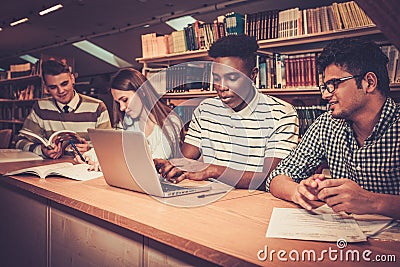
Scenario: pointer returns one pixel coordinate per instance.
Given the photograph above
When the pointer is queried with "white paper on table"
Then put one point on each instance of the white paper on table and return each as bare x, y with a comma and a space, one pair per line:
370, 224
300, 224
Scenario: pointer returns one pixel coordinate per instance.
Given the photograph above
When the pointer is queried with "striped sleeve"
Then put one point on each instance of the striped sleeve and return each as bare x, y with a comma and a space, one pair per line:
284, 138
193, 136
31, 123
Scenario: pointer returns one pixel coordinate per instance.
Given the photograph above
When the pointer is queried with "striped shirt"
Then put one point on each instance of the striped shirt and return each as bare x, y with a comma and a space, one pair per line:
46, 117
267, 127
375, 166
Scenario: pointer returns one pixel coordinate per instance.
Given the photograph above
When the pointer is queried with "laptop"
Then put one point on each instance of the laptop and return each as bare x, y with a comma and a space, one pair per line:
126, 162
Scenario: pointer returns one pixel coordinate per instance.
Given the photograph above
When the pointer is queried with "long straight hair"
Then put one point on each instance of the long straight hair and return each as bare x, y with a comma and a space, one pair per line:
129, 79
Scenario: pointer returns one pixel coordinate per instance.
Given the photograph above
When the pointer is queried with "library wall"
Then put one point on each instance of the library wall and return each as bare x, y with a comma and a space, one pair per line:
289, 41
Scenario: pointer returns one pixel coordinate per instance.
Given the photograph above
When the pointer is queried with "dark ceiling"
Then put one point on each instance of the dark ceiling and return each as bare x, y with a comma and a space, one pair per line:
114, 25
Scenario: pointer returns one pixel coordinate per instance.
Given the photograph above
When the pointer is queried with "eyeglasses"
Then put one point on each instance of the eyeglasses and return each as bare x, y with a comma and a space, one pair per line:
333, 84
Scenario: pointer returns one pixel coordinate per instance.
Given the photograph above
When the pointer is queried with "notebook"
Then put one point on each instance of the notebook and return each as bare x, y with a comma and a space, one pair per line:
126, 162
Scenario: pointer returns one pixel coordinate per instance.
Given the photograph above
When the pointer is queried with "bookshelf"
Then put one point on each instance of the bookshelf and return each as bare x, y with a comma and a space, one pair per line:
302, 92
17, 96
13, 112
294, 45
301, 44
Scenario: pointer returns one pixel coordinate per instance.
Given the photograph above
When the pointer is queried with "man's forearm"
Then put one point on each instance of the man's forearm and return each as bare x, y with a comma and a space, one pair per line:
282, 186
388, 205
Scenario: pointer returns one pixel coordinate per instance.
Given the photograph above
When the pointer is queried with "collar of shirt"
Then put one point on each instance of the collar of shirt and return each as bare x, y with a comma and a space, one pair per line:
250, 108
389, 114
73, 104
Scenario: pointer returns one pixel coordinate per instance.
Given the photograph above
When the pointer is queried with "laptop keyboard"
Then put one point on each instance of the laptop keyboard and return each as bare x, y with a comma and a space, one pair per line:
167, 187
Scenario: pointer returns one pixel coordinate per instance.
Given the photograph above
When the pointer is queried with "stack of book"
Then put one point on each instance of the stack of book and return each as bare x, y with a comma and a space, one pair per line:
195, 36
262, 25
301, 70
155, 45
295, 22
185, 77
337, 16
22, 70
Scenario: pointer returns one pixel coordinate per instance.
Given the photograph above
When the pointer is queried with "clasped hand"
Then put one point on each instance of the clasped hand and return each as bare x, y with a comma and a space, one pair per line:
339, 194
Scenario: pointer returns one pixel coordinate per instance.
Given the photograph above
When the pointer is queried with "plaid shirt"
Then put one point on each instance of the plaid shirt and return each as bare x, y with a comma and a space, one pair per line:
375, 166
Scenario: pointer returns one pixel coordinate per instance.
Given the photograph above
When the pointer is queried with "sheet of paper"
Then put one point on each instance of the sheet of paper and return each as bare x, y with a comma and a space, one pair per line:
300, 224
370, 224
370, 228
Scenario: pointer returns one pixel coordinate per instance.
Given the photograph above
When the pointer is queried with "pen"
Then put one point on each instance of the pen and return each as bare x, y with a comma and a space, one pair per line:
211, 194
77, 151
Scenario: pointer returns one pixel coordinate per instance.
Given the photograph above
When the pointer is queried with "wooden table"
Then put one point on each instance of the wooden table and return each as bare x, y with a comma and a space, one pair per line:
62, 222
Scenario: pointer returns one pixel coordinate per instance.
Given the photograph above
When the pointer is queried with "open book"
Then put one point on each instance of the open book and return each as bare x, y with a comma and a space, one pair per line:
66, 169
62, 136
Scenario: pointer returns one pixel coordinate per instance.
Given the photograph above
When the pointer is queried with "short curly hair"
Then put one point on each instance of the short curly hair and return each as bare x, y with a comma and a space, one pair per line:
357, 56
241, 46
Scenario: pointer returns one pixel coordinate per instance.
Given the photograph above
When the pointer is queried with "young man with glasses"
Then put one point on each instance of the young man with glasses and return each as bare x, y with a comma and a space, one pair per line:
358, 138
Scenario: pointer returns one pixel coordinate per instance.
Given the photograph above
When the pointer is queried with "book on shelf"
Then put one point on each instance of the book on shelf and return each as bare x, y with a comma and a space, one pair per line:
287, 71
393, 65
264, 25
155, 45
23, 70
20, 70
188, 76
157, 78
78, 172
289, 23
17, 155
63, 136
234, 23
178, 43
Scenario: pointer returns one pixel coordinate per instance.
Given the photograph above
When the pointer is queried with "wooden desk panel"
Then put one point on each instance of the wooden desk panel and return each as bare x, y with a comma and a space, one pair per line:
229, 232
259, 208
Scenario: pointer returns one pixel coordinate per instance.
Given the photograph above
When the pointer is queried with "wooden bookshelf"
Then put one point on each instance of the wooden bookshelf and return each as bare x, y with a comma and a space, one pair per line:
275, 92
272, 45
24, 79
300, 44
319, 38
176, 58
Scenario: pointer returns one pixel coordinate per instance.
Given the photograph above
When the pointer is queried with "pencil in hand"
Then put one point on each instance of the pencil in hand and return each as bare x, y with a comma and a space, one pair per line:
77, 151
